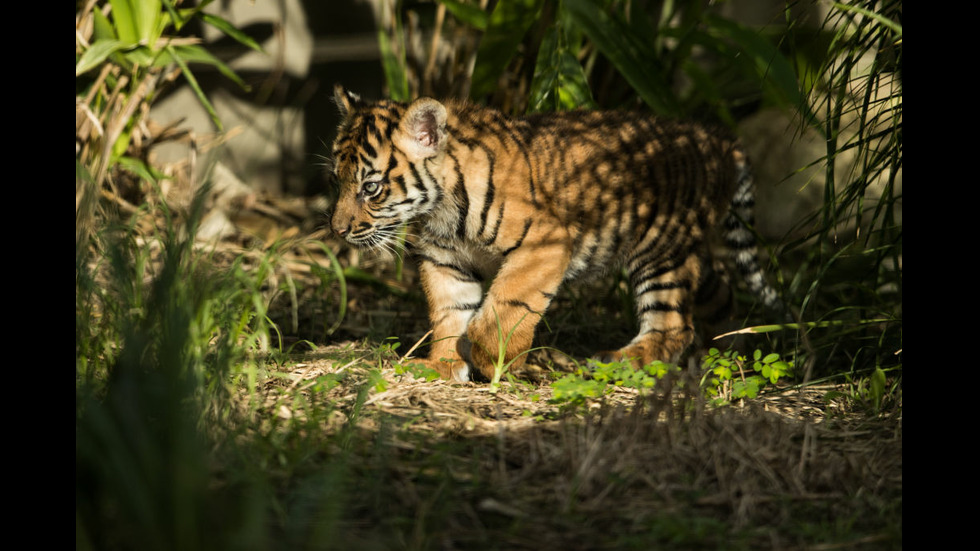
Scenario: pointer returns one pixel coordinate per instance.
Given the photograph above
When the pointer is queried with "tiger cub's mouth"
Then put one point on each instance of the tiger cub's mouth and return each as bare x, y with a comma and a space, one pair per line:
386, 237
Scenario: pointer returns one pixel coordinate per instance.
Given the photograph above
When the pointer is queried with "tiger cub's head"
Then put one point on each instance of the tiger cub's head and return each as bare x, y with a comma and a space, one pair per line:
384, 161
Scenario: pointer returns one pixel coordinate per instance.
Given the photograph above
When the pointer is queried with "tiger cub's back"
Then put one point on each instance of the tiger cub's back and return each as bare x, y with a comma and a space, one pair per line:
631, 188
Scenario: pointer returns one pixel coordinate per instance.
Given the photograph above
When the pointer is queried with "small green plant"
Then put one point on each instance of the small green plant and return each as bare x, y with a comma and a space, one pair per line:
416, 370
731, 376
598, 379
872, 392
404, 366
500, 366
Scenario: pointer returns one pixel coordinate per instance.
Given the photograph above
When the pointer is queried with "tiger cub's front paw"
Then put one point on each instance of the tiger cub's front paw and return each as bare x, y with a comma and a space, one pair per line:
456, 370
464, 347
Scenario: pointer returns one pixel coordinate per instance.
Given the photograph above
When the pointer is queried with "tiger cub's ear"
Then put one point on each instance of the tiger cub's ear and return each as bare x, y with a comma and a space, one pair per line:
345, 100
422, 131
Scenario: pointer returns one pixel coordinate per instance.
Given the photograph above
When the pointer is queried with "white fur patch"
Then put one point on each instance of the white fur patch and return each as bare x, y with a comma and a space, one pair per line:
462, 374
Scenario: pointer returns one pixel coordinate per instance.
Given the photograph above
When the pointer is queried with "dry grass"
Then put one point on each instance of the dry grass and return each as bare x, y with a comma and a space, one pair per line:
782, 472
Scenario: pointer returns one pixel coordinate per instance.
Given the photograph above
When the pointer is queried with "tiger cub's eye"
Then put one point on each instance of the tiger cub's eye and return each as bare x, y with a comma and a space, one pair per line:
370, 188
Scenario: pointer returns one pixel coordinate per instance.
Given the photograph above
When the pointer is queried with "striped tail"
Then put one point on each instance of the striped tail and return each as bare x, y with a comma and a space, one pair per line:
741, 242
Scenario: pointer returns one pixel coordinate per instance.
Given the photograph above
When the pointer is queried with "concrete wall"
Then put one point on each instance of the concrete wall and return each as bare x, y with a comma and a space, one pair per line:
280, 128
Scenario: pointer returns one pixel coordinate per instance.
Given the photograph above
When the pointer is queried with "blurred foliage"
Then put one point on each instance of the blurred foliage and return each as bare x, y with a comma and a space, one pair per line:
163, 340
677, 58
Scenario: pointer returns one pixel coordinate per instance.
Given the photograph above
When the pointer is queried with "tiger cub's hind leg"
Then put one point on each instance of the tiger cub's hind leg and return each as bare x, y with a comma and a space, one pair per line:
664, 299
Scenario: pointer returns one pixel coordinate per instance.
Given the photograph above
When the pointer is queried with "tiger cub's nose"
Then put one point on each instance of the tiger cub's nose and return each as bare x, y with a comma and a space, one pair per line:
339, 227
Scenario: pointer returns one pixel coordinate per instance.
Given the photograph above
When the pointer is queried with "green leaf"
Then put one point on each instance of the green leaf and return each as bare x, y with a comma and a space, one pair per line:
96, 54
140, 168
468, 13
124, 21
232, 31
884, 21
197, 54
559, 82
746, 389
122, 143
660, 369
138, 21
707, 90
629, 52
759, 55
150, 20
506, 28
572, 389
394, 68
376, 379
175, 18
192, 82
101, 27
144, 57
877, 386
765, 370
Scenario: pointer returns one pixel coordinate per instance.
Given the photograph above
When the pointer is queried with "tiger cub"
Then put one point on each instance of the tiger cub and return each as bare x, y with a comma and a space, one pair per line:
525, 204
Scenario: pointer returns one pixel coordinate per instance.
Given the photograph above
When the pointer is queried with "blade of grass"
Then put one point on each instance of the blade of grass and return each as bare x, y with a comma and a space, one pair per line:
192, 82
